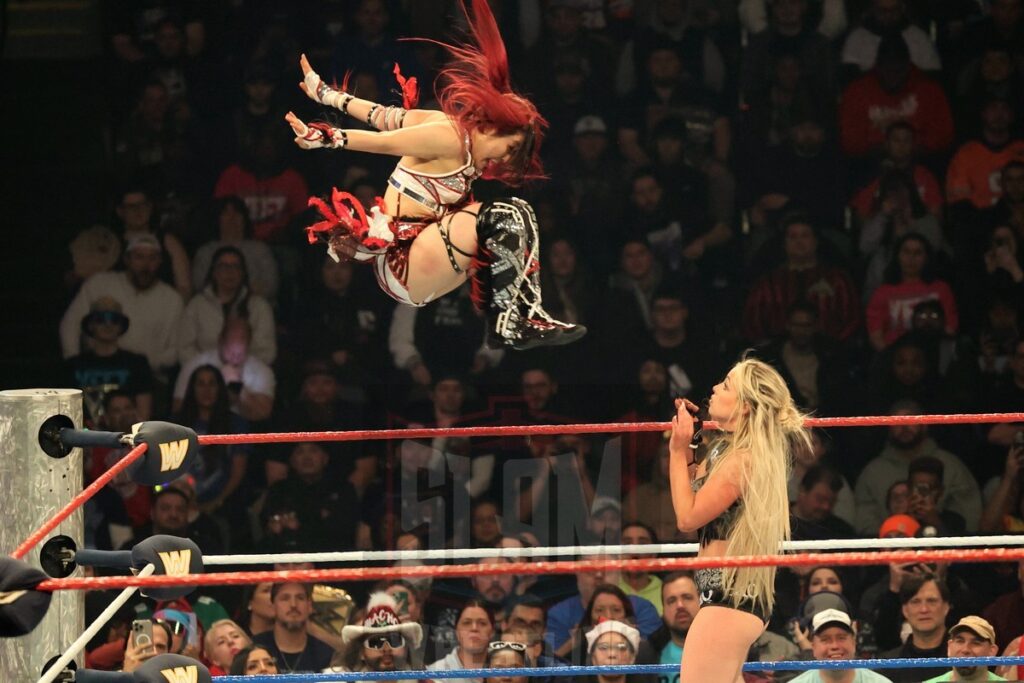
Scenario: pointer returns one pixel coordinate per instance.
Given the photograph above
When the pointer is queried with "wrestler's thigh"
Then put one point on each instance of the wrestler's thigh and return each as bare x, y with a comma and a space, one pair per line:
717, 645
430, 272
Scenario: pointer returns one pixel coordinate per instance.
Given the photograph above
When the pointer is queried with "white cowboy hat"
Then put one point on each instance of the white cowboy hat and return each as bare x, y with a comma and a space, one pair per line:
382, 617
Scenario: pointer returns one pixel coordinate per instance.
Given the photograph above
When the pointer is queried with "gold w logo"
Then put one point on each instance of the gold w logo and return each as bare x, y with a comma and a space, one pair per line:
172, 454
176, 562
8, 597
181, 674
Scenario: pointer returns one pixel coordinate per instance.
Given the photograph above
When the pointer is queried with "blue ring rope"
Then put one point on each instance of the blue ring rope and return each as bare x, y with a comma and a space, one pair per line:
792, 665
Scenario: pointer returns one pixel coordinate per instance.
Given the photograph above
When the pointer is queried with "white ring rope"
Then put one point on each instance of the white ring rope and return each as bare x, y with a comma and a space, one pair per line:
645, 549
106, 615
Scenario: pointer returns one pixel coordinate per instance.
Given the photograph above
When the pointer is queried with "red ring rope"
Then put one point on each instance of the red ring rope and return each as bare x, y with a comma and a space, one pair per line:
466, 570
592, 428
79, 500
379, 434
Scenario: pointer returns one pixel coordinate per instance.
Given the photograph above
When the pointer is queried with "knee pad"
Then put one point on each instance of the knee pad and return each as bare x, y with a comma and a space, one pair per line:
509, 221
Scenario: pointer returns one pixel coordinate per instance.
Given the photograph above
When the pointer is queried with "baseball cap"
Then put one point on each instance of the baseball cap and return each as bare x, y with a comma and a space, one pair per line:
903, 526
602, 503
143, 240
820, 602
977, 626
175, 615
831, 617
590, 124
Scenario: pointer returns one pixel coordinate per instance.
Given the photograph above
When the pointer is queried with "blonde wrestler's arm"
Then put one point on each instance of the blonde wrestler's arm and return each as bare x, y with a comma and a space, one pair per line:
695, 509
432, 140
1009, 671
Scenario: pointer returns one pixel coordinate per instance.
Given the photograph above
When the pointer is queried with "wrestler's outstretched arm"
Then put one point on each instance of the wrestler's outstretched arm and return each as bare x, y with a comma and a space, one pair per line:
431, 140
379, 116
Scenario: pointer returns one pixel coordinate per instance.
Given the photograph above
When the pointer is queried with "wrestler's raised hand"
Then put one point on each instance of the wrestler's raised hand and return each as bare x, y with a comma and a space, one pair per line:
310, 80
682, 429
317, 90
690, 406
299, 127
304, 137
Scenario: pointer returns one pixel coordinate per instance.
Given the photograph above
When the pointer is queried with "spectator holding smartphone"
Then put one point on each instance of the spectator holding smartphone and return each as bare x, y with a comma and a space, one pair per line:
148, 638
184, 631
1004, 512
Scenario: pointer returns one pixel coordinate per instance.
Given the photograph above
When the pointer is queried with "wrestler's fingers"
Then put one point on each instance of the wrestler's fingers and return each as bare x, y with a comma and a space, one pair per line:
304, 63
296, 123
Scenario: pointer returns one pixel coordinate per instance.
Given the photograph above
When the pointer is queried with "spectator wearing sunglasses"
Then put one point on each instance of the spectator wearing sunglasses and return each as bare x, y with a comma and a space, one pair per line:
103, 366
474, 629
506, 654
294, 650
184, 636
382, 643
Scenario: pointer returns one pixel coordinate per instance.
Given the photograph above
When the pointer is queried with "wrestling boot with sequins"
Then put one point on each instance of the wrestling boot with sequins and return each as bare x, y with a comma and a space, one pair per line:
507, 282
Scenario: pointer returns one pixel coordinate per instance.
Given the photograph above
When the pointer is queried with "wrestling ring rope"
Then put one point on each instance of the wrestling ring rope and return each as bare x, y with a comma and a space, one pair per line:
142, 462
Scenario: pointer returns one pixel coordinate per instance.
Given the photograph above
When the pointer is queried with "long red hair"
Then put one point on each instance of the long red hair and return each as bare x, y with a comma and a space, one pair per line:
475, 90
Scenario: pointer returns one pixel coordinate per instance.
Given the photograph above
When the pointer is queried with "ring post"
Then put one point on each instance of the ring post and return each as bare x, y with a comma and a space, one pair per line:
33, 487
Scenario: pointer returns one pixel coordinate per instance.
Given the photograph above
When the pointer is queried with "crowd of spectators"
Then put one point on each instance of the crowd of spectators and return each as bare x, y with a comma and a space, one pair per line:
836, 186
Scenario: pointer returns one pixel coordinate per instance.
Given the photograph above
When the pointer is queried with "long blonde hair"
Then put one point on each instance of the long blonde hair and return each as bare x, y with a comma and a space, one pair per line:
767, 432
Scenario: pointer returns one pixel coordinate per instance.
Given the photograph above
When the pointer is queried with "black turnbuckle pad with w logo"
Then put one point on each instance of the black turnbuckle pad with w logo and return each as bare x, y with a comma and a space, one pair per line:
170, 555
172, 450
